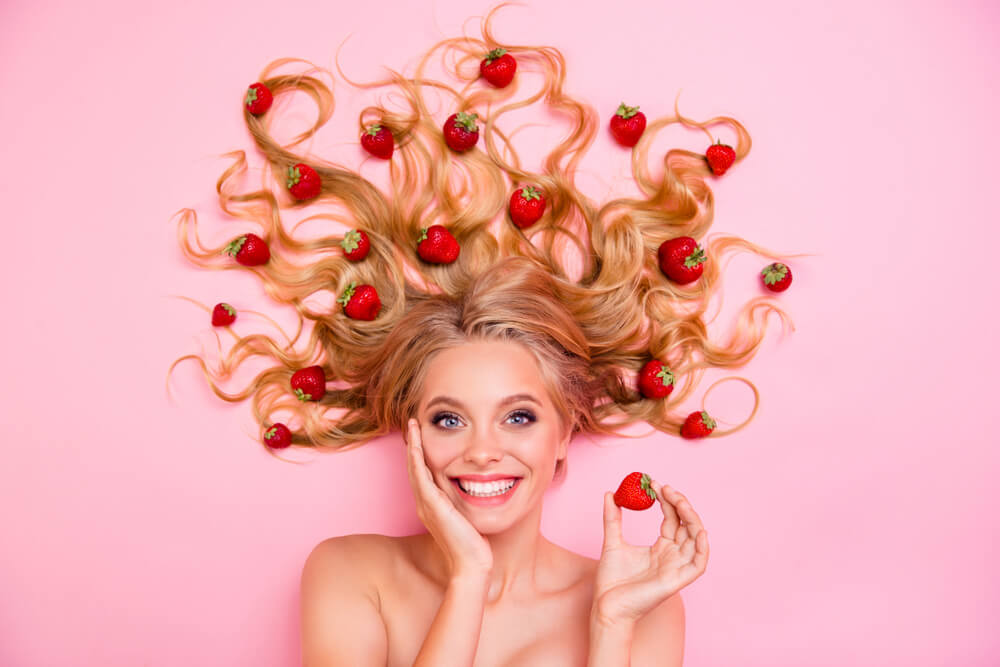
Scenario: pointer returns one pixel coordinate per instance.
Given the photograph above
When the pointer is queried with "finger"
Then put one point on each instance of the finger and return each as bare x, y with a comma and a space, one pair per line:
675, 498
689, 517
417, 468
668, 528
612, 522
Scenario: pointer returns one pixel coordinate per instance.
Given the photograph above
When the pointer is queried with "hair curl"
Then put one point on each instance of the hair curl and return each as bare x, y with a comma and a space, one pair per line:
591, 328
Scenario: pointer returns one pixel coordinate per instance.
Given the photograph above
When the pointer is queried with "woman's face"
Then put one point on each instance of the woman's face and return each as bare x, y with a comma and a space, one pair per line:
485, 411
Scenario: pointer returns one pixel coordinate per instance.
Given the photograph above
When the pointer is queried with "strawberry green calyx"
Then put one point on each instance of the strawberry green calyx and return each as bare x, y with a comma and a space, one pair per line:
530, 193
234, 246
423, 234
270, 433
229, 309
774, 273
665, 375
351, 241
645, 484
374, 129
467, 121
347, 294
695, 258
251, 95
302, 396
494, 54
293, 176
706, 420
626, 111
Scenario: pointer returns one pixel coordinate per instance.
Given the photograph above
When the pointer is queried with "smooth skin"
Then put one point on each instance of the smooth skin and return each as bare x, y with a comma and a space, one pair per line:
483, 587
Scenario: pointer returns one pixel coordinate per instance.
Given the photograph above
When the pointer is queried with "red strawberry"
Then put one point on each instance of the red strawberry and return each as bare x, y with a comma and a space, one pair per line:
526, 206
776, 277
249, 250
303, 182
697, 425
378, 141
258, 99
635, 492
223, 315
278, 436
356, 245
461, 132
360, 302
627, 125
498, 67
656, 380
720, 157
309, 384
437, 245
682, 259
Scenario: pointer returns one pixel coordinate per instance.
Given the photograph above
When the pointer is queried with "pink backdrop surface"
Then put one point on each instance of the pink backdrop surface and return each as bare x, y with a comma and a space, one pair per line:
850, 523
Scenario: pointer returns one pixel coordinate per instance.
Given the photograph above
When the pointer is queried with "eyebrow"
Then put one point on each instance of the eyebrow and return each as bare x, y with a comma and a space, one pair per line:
457, 403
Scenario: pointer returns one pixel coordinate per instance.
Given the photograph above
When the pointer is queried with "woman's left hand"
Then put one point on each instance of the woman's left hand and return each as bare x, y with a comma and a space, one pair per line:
631, 580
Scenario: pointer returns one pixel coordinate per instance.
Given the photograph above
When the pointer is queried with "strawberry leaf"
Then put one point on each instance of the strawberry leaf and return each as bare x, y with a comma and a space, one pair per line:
626, 111
706, 420
467, 121
695, 258
347, 294
351, 241
665, 375
530, 193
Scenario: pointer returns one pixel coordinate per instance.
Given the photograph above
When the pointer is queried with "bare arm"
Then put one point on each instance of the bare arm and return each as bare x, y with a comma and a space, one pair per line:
454, 635
655, 639
341, 622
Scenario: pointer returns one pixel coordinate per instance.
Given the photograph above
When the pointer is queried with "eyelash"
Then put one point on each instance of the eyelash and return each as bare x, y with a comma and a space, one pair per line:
529, 417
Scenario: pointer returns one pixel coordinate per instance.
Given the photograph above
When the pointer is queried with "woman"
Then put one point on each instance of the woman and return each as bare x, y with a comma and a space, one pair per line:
495, 384
568, 310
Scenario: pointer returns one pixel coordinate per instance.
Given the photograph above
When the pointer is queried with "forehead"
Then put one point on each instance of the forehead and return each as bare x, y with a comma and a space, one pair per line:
483, 372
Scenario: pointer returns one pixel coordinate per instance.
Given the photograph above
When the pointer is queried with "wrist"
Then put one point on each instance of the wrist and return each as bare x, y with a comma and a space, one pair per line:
603, 621
473, 580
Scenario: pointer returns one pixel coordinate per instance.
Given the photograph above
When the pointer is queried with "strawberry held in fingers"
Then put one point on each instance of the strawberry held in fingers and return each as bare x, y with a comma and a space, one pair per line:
356, 245
681, 259
360, 302
436, 245
223, 315
776, 277
720, 157
526, 206
627, 125
309, 384
697, 425
278, 436
378, 141
303, 182
656, 380
258, 98
635, 492
461, 132
249, 250
498, 67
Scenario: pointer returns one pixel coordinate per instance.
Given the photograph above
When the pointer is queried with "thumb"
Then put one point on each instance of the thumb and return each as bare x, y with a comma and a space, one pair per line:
612, 522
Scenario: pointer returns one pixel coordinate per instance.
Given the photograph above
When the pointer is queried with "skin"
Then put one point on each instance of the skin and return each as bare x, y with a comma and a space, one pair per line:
543, 604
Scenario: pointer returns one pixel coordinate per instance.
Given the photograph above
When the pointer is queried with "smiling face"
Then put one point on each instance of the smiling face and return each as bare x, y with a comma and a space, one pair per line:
486, 411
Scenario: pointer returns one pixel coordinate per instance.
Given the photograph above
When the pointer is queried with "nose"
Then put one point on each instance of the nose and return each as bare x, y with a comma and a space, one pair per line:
483, 448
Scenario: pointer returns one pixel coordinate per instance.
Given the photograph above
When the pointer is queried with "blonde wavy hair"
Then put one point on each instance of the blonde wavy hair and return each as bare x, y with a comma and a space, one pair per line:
591, 329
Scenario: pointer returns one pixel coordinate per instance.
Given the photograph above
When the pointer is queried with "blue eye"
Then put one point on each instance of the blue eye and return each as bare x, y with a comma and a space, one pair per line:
525, 415
441, 416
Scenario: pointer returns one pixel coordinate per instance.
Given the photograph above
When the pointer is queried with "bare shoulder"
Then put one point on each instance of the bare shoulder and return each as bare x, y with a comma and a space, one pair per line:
340, 604
659, 635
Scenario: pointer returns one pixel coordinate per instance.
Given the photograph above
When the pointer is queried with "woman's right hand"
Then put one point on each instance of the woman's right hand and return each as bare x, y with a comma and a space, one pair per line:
467, 552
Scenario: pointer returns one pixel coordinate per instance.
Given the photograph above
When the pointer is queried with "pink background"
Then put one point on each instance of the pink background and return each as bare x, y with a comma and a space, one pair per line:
851, 522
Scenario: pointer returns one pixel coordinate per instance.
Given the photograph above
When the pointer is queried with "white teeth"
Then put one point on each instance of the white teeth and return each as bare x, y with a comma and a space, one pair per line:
488, 489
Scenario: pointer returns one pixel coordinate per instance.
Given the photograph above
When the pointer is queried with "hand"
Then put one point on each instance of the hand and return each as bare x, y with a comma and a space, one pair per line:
466, 550
631, 580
